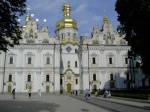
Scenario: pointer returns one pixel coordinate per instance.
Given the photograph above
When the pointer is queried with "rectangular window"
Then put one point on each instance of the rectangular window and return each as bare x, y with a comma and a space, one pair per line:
75, 50
126, 60
68, 63
127, 77
94, 77
111, 77
29, 60
94, 62
60, 81
29, 78
110, 60
47, 78
76, 81
75, 63
68, 34
47, 60
10, 78
11, 60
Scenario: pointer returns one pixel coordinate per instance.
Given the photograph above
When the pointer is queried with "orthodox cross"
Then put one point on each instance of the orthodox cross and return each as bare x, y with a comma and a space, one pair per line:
28, 9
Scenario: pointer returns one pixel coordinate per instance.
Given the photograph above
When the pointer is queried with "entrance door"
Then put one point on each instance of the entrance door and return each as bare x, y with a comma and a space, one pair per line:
68, 88
95, 88
9, 89
47, 89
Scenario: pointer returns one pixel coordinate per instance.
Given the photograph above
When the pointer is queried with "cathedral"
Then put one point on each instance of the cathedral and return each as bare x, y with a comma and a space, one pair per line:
67, 62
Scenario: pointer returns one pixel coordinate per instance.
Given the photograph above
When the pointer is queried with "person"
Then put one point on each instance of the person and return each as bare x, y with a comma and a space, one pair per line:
13, 93
76, 92
109, 94
86, 94
40, 92
106, 94
89, 94
29, 93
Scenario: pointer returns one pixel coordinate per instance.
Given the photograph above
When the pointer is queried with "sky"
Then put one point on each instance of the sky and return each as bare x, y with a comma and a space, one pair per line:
87, 13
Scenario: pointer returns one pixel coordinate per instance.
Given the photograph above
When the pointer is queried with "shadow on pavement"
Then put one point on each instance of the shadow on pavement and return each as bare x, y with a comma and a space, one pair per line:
27, 106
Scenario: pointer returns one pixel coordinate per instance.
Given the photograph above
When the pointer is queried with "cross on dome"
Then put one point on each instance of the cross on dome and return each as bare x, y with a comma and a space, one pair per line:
28, 9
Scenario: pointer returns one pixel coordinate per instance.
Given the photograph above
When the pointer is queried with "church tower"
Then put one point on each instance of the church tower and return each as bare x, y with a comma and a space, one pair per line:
66, 29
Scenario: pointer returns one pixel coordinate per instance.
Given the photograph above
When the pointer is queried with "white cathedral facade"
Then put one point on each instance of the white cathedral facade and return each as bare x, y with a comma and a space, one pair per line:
66, 63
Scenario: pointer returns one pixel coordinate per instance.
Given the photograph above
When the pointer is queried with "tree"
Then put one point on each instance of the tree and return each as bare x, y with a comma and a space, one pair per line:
10, 32
134, 18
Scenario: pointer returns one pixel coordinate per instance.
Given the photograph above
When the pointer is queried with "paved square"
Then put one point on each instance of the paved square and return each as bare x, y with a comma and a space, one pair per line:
46, 103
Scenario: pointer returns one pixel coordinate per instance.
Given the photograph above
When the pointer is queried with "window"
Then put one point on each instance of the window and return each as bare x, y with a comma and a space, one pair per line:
127, 77
111, 77
74, 36
68, 34
126, 60
94, 77
76, 50
47, 78
29, 78
11, 60
29, 60
68, 63
110, 60
63, 35
94, 62
60, 81
76, 81
47, 60
75, 63
10, 78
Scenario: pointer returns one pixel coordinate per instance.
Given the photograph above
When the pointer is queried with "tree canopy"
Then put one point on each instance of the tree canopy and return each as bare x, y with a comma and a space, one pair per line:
134, 18
10, 10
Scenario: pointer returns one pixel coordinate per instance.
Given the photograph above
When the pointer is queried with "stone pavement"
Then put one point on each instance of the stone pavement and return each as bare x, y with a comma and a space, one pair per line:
46, 103
116, 104
128, 101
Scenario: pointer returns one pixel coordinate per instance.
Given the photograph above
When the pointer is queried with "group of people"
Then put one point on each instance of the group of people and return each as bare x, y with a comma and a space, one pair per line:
29, 93
87, 94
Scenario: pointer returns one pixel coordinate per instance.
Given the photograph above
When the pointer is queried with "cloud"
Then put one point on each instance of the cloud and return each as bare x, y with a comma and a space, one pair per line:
80, 8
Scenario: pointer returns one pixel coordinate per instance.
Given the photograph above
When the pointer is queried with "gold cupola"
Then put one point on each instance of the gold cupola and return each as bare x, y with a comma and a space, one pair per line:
105, 19
66, 21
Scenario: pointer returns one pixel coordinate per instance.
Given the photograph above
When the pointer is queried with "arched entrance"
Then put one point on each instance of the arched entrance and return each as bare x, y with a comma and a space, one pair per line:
68, 88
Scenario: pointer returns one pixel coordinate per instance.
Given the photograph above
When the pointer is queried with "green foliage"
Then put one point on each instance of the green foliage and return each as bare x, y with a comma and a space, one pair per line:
10, 10
134, 18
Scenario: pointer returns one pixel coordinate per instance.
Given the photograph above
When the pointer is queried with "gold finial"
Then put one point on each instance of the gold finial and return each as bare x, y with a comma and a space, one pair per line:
105, 18
28, 9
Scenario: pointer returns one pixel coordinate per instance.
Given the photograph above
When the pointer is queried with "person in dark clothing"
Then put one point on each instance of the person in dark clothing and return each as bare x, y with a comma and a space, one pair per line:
76, 92
29, 93
13, 93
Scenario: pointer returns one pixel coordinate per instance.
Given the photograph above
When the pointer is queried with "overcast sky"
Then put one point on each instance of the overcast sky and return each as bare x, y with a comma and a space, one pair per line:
85, 12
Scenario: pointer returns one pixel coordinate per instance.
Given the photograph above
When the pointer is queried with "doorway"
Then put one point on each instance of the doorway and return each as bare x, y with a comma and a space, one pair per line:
47, 89
9, 89
68, 88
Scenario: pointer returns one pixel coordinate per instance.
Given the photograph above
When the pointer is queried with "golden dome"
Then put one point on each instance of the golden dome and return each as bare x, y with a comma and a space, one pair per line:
67, 21
105, 19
